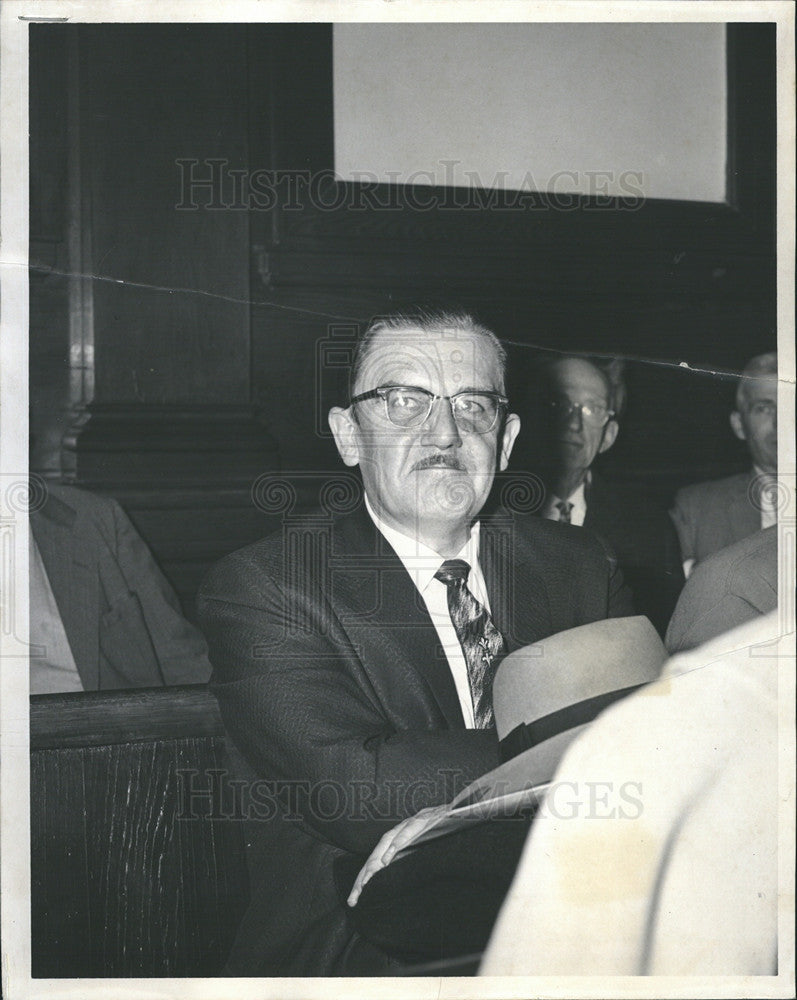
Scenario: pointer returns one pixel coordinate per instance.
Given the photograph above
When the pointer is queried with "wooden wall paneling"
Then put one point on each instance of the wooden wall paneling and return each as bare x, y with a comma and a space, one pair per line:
48, 134
120, 885
159, 301
291, 141
752, 125
188, 532
49, 340
290, 115
60, 918
110, 718
171, 317
127, 880
169, 259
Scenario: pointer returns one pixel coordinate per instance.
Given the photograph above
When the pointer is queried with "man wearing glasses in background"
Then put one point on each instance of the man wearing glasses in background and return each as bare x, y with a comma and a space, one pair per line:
359, 677
584, 400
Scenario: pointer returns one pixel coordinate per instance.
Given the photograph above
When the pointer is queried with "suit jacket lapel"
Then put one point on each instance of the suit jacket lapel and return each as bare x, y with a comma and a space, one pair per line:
597, 507
387, 621
519, 601
73, 581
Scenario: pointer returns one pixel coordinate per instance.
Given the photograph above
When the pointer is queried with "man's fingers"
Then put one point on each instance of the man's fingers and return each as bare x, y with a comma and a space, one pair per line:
373, 864
381, 855
412, 828
390, 844
356, 889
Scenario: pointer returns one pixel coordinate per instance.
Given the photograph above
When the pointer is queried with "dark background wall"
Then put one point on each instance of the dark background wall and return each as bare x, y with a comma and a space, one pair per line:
188, 338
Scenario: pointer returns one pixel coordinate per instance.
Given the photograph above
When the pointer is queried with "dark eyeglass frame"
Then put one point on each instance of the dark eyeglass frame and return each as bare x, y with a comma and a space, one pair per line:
381, 392
564, 407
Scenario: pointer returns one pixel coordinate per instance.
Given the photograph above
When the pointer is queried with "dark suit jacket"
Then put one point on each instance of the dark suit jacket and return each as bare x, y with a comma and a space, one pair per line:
732, 586
645, 543
328, 671
121, 617
712, 515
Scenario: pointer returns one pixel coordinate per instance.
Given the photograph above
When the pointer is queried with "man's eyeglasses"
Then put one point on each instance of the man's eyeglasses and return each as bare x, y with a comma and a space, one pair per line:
592, 414
409, 406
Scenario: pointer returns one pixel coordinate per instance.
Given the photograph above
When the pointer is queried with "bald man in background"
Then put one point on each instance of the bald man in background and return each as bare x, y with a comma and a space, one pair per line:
711, 515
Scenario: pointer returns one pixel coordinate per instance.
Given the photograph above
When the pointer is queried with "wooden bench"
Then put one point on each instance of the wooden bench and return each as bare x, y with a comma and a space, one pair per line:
135, 871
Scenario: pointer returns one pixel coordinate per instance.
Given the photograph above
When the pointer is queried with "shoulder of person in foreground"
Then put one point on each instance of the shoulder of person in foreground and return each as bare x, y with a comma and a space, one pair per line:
729, 588
663, 771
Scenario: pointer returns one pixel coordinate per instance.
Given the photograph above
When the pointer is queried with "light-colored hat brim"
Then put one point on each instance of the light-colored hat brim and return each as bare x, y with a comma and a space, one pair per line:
545, 679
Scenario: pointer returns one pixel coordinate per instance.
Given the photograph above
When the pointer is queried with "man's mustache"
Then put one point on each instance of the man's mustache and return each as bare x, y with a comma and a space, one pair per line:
438, 460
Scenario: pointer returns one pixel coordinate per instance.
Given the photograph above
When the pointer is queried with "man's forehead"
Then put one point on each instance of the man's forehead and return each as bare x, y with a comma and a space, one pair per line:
757, 387
582, 376
426, 353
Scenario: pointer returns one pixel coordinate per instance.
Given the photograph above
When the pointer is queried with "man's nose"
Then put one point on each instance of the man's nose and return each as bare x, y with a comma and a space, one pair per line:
440, 428
574, 419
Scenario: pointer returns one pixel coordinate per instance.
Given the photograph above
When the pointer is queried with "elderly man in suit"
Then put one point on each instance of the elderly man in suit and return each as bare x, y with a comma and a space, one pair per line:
353, 656
102, 615
710, 515
584, 400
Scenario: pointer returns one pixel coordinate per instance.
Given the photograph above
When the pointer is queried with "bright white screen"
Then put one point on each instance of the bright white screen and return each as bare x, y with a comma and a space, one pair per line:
587, 108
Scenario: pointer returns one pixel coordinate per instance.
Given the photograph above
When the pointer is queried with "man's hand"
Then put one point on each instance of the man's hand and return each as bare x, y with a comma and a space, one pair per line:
394, 841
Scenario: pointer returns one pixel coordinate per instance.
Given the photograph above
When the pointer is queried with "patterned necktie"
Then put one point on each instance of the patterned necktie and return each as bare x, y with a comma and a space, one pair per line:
481, 641
564, 507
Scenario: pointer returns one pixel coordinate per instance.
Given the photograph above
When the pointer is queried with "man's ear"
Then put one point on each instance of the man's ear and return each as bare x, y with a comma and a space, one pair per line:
508, 435
609, 436
737, 426
346, 432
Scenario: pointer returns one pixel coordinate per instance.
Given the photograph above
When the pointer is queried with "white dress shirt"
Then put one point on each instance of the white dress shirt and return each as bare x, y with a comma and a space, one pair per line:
54, 670
579, 510
422, 563
767, 498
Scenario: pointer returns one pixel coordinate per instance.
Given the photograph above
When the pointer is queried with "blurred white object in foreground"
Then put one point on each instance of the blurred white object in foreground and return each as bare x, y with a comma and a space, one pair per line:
658, 854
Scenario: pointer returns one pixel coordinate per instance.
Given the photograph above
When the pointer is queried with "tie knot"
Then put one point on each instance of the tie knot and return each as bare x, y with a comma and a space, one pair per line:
453, 571
565, 508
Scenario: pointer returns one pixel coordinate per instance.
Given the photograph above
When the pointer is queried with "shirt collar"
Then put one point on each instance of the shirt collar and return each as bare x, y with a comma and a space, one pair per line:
578, 497
420, 561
